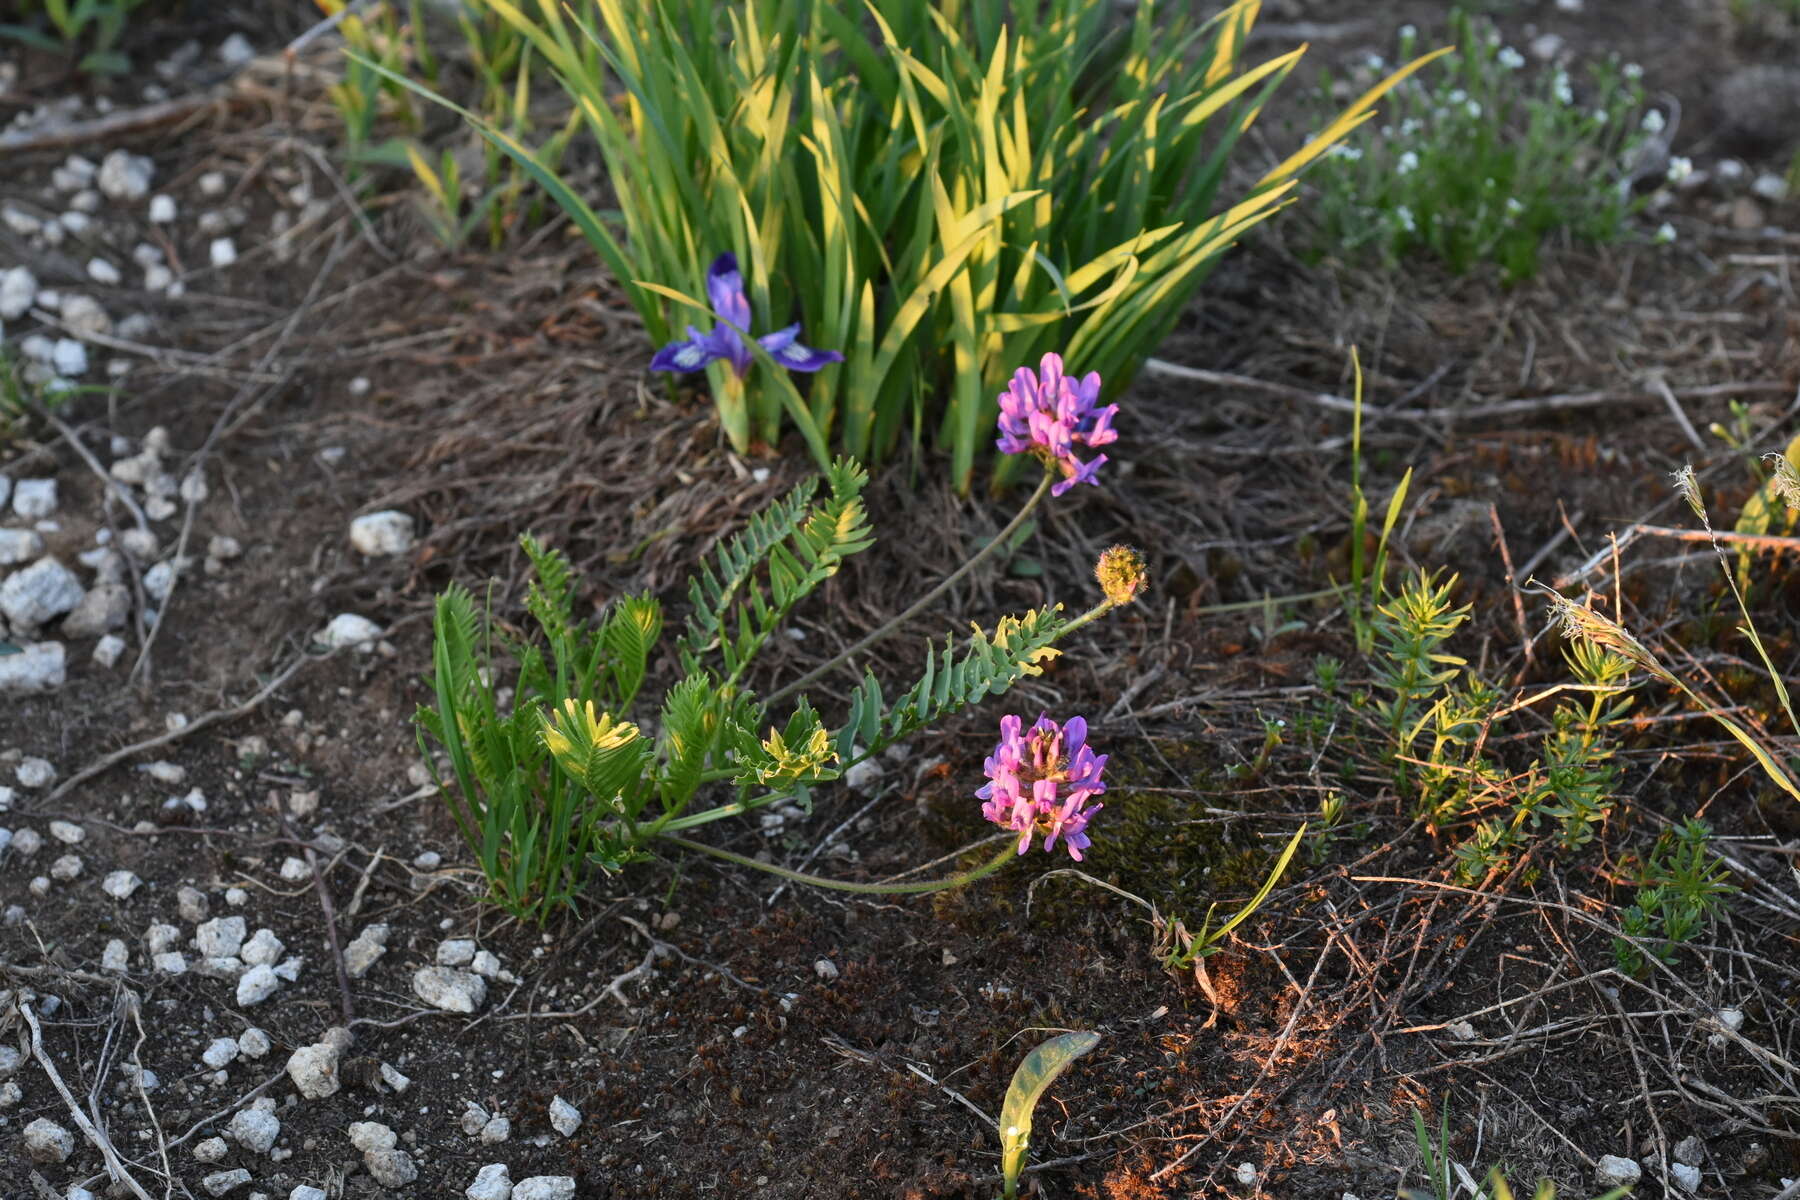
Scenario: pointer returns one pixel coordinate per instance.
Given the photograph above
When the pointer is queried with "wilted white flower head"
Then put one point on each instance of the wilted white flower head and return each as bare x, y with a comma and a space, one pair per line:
1680, 168
1581, 623
1404, 215
1406, 164
1633, 72
1509, 58
1565, 94
1654, 122
1687, 486
1786, 480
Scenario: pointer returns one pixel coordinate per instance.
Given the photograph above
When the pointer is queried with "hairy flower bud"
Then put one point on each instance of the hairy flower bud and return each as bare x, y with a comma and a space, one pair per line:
1122, 574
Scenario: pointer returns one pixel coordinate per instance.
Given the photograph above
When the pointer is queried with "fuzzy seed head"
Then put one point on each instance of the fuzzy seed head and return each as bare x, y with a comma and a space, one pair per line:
1122, 574
1688, 485
1581, 623
1785, 480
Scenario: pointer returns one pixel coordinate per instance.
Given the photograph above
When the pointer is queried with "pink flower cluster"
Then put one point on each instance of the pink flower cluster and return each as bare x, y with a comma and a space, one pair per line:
1039, 781
1051, 414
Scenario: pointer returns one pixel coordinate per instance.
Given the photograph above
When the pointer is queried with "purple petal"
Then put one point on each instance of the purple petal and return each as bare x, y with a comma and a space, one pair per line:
725, 287
787, 351
690, 355
726, 343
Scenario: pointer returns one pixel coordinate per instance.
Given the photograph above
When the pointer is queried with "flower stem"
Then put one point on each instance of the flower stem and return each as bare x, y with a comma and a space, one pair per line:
1006, 855
929, 598
1093, 614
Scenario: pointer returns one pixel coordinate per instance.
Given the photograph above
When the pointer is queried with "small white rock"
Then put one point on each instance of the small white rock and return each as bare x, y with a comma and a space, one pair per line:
125, 176
372, 1135
485, 964
545, 1187
314, 1070
162, 209
41, 667
306, 1192
563, 1117
382, 533
116, 957
497, 1130
211, 1150
220, 937
450, 990
39, 593
394, 1079
222, 252
364, 949
1246, 1174
120, 884
69, 357
491, 1183
108, 650
102, 272
428, 860
1688, 1177
67, 832
236, 50
220, 1182
825, 969
864, 777
349, 629
255, 1129
1731, 1019
18, 545
66, 868
221, 1053
390, 1168
293, 870
48, 1142
455, 952
1612, 1171
264, 948
257, 984
18, 289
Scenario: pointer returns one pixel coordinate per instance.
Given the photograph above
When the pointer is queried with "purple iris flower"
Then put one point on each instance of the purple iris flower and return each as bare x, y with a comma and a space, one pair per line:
1051, 414
725, 287
1040, 780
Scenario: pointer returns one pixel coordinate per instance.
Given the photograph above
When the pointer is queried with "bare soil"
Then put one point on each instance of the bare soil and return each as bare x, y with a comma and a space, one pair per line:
720, 1039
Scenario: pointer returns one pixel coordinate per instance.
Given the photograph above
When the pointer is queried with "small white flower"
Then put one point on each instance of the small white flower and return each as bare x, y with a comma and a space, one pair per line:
1513, 206
1408, 32
1375, 62
1665, 234
1473, 108
1407, 164
1410, 126
1509, 58
1404, 215
1457, 96
1680, 168
1633, 72
1599, 116
1347, 153
1653, 121
1560, 83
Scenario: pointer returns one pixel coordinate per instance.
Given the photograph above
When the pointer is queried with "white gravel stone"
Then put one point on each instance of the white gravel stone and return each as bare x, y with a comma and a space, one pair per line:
255, 1129
220, 1182
253, 1043
67, 832
159, 580
48, 1142
169, 962
428, 860
473, 1117
99, 270
19, 221
162, 210
116, 956
455, 952
18, 288
349, 629
1246, 1174
159, 938
222, 967
497, 1130
390, 1168
27, 842
66, 868
450, 990
563, 1117
262, 948
491, 1183
220, 937
10, 1060
34, 772
306, 1192
40, 667
1688, 1177
382, 533
288, 969
39, 593
83, 317
364, 949
257, 984
69, 357
545, 1187
18, 545
372, 1135
485, 964
108, 650
293, 870
103, 609
191, 903
125, 176
864, 777
1731, 1019
1612, 1171
236, 50
222, 1052
211, 1150
222, 252
825, 969
314, 1070
394, 1078
120, 884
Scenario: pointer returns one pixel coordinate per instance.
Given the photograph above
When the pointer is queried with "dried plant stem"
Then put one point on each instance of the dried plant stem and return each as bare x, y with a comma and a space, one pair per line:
925, 602
1006, 855
114, 1167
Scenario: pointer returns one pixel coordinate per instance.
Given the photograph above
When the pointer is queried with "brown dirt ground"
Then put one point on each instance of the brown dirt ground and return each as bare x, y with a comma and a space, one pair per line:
508, 394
